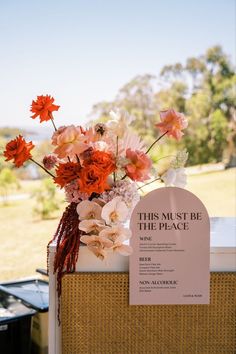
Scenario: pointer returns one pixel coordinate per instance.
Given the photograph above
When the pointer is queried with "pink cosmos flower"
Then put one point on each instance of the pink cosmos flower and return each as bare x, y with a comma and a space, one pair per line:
49, 161
69, 141
173, 123
139, 166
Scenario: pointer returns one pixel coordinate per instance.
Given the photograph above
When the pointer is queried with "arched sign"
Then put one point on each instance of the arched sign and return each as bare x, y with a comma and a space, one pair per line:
171, 249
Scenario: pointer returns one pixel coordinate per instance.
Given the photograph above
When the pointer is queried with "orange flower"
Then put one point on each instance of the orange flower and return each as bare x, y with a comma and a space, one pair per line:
66, 173
92, 180
103, 160
43, 107
173, 123
18, 150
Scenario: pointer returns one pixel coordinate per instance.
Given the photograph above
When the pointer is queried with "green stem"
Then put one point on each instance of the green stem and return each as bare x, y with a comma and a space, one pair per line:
151, 146
54, 126
117, 146
117, 152
42, 167
146, 184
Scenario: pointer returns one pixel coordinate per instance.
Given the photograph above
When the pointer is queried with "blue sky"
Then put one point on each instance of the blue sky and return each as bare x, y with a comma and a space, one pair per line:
82, 52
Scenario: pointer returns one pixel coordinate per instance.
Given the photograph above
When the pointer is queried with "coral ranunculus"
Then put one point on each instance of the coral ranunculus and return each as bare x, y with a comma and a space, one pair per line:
18, 150
43, 107
93, 180
67, 172
172, 123
139, 166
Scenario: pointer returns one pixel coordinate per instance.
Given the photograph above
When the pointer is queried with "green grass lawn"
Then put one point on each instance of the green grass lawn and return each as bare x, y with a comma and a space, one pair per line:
24, 238
217, 190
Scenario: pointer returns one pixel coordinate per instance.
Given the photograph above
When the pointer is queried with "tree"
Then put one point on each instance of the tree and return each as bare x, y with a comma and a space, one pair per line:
136, 97
8, 180
204, 88
46, 200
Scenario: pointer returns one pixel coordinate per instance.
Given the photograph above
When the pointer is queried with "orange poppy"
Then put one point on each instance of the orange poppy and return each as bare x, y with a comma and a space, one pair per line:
67, 172
43, 107
18, 150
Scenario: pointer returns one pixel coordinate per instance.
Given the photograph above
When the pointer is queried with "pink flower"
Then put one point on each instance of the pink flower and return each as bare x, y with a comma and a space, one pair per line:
69, 141
97, 245
139, 166
92, 226
124, 250
115, 211
89, 210
49, 161
73, 194
173, 123
57, 133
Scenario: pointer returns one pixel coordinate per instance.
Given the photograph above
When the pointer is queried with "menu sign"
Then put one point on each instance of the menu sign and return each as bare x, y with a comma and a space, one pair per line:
171, 249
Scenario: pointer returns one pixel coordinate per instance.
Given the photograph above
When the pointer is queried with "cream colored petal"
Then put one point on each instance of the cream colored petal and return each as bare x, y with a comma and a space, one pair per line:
124, 250
169, 177
87, 239
89, 210
122, 211
181, 178
105, 241
91, 225
114, 211
99, 252
107, 210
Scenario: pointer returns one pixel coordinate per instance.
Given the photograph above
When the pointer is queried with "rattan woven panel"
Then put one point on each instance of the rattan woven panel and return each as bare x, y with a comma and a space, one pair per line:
97, 319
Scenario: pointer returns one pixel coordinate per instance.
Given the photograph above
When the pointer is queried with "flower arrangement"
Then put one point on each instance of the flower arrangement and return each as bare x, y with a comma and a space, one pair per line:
98, 168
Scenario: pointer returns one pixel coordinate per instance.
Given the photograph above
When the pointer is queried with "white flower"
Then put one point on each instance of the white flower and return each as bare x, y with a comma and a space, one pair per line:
175, 177
89, 210
119, 123
91, 225
97, 245
115, 211
132, 141
124, 250
96, 241
101, 146
116, 233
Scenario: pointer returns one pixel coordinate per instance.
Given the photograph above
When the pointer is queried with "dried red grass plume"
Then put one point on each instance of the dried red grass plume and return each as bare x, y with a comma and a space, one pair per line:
67, 237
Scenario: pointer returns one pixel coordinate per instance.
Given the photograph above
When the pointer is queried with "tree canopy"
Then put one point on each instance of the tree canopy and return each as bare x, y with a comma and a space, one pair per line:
203, 88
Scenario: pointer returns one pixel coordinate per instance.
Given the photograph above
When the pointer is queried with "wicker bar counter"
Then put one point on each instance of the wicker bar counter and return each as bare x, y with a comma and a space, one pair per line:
96, 318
